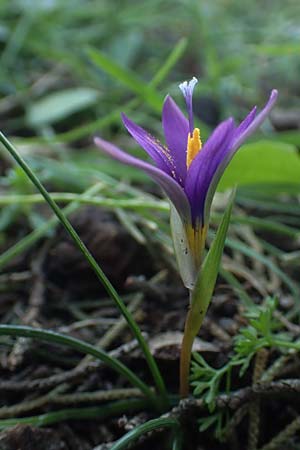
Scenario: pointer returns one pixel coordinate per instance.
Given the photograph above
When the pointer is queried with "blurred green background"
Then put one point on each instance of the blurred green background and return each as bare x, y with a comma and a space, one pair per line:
238, 50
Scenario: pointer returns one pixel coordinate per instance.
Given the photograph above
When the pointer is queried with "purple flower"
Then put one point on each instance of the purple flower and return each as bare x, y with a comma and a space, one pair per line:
185, 169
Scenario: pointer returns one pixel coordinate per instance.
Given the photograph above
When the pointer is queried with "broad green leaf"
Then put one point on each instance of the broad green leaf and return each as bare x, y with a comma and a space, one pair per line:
126, 77
207, 276
263, 162
59, 105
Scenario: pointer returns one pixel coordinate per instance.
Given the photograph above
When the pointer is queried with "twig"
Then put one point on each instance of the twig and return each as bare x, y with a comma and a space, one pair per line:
276, 367
236, 399
236, 419
283, 436
8, 279
96, 396
292, 327
55, 397
16, 410
217, 331
254, 406
37, 293
68, 376
114, 331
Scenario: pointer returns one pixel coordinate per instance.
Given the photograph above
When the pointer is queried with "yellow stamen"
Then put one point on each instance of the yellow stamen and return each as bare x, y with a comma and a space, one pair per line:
194, 146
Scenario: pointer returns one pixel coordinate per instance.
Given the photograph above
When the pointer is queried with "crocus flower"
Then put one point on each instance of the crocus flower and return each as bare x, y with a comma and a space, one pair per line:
187, 170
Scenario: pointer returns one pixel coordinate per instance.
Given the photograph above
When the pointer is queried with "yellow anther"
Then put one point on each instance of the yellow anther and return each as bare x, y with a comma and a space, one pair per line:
193, 146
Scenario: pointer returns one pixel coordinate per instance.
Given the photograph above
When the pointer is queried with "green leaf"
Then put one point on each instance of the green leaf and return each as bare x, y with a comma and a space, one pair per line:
87, 413
59, 105
207, 276
126, 77
80, 346
263, 162
133, 435
206, 422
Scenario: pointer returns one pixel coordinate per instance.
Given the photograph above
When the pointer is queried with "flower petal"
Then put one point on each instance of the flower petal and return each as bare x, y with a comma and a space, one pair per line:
246, 122
204, 166
254, 124
160, 154
176, 130
246, 128
172, 189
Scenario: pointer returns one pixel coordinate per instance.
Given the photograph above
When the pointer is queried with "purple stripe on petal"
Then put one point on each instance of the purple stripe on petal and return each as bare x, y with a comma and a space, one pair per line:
172, 189
176, 130
151, 145
204, 166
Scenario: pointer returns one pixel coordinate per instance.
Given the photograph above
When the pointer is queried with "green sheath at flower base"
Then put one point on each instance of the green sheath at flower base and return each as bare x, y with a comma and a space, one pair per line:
206, 279
200, 297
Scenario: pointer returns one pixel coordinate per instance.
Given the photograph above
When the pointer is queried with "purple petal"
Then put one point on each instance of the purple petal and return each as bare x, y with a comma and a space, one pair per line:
254, 124
160, 154
204, 166
246, 128
172, 189
176, 130
246, 122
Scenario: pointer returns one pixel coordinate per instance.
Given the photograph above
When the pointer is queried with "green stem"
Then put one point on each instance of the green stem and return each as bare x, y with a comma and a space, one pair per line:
286, 344
81, 346
97, 412
185, 357
177, 440
65, 197
190, 332
96, 268
162, 422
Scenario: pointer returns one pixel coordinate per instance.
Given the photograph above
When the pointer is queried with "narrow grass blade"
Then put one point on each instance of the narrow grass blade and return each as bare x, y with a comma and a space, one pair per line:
127, 77
239, 246
162, 422
94, 412
81, 346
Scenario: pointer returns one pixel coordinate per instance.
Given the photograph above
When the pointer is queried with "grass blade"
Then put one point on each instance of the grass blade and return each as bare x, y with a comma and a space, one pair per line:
79, 345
